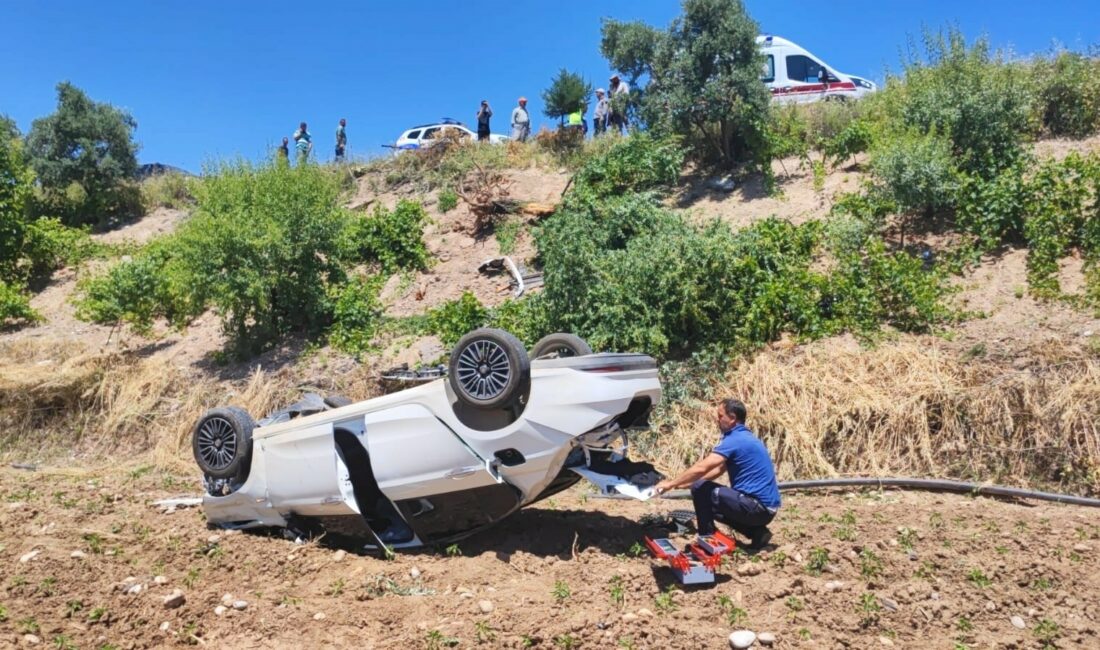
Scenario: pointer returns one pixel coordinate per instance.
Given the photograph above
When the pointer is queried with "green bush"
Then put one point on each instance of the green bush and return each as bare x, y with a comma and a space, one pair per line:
452, 320
15, 307
448, 200
356, 313
634, 164
993, 209
169, 190
393, 238
969, 95
917, 171
1067, 89
138, 291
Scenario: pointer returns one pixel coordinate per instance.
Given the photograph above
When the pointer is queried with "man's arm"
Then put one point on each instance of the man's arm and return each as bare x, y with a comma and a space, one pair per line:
708, 467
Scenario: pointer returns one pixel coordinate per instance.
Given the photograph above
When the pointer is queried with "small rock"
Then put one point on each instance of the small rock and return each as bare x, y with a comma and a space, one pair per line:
742, 639
886, 641
912, 556
485, 606
414, 573
319, 616
1032, 613
645, 612
990, 606
79, 555
466, 594
227, 599
339, 555
629, 617
160, 580
738, 597
1018, 622
798, 558
240, 605
27, 557
220, 610
935, 595
765, 638
750, 569
164, 626
174, 599
834, 585
1082, 548
214, 539
134, 589
31, 639
889, 604
832, 568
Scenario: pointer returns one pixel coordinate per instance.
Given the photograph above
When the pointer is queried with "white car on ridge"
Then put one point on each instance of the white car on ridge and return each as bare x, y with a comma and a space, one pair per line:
426, 135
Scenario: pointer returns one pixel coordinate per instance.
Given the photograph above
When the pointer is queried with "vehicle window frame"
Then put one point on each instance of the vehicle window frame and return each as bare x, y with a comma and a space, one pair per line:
413, 135
805, 78
769, 69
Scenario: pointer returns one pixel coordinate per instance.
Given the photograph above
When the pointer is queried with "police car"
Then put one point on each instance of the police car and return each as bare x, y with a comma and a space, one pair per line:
426, 135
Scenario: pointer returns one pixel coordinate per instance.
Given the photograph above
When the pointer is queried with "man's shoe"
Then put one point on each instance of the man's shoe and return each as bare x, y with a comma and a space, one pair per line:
761, 540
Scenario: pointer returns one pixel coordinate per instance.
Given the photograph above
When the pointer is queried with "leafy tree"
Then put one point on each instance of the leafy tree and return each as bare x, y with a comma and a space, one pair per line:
16, 181
84, 156
568, 93
704, 79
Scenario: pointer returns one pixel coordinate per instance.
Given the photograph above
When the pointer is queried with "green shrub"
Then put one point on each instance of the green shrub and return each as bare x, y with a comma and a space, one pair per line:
524, 317
15, 307
1067, 94
138, 291
969, 95
634, 164
993, 209
452, 320
169, 190
448, 200
917, 172
356, 312
393, 238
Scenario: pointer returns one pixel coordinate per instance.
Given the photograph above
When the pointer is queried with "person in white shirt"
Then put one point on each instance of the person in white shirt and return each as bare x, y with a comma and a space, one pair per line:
521, 121
617, 117
599, 119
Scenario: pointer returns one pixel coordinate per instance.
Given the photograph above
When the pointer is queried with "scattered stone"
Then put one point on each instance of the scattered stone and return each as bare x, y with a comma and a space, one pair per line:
629, 617
240, 605
889, 604
339, 555
886, 641
134, 589
765, 638
78, 555
834, 585
227, 599
466, 594
485, 606
164, 626
798, 558
935, 595
1032, 613
990, 606
912, 556
742, 639
160, 580
214, 539
220, 610
750, 569
645, 612
31, 639
414, 573
832, 568
1018, 622
738, 597
27, 557
721, 184
319, 616
1082, 548
174, 599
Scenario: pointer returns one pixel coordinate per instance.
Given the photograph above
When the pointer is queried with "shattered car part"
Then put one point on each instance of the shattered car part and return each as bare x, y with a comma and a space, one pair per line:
521, 281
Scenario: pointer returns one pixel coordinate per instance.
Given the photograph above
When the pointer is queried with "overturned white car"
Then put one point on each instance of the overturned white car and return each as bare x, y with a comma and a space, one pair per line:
439, 461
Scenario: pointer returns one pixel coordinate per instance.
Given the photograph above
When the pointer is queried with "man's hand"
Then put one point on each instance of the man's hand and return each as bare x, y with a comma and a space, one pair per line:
662, 487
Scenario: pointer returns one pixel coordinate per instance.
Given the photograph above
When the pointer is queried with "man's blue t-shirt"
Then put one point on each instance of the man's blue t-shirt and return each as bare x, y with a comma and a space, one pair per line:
749, 465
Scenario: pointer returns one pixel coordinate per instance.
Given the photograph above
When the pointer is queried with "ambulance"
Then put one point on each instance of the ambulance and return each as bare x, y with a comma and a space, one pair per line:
794, 75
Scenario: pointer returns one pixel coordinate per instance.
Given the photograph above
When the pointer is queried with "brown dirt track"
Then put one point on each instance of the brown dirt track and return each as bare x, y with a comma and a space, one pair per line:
1041, 561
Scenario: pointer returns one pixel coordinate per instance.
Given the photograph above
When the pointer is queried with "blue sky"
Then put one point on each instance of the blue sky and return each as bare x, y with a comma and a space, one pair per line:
211, 79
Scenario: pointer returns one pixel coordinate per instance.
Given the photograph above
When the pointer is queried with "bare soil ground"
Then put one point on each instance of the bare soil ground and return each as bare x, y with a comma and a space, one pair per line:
82, 550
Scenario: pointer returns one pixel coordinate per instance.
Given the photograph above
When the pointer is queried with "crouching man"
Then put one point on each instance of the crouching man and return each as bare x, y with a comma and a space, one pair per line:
750, 502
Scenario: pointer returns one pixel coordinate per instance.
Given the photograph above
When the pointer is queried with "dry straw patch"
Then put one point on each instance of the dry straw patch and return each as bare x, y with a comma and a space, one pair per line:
911, 407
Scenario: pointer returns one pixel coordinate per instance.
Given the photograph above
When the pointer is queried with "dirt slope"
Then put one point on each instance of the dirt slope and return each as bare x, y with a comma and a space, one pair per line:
913, 570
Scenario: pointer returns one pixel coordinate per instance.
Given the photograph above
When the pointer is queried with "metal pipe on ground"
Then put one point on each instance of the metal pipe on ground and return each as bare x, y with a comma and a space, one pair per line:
933, 485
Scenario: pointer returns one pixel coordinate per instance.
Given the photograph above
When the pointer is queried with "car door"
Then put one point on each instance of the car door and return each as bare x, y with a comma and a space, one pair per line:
441, 487
809, 78
304, 473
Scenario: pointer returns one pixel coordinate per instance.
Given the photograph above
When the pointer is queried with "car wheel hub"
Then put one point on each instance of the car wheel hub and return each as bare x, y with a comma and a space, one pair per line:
217, 443
483, 370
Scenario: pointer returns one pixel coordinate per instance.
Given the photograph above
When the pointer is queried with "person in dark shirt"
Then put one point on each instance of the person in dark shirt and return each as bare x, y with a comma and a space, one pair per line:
284, 150
483, 115
751, 500
341, 139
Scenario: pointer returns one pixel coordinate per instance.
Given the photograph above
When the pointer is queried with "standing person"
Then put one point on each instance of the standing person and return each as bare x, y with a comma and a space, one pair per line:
303, 142
341, 139
521, 121
599, 118
483, 115
284, 150
750, 502
620, 92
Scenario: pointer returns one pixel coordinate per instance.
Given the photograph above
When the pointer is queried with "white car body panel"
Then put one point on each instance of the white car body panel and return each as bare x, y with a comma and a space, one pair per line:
786, 83
426, 135
420, 449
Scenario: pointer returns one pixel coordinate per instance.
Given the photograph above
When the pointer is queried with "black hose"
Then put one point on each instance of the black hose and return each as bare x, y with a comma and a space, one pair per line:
936, 485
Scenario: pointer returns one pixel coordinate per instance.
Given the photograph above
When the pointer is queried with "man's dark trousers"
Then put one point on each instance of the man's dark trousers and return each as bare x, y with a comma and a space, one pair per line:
741, 512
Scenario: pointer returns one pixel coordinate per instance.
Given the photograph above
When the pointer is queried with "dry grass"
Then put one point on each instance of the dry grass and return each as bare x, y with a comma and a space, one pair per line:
911, 407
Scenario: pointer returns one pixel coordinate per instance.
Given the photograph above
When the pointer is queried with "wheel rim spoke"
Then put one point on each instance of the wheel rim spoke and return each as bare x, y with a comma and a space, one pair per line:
217, 442
482, 370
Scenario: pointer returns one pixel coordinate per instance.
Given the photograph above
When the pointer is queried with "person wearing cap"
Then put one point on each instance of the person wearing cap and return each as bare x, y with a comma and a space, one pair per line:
599, 118
618, 106
484, 112
521, 121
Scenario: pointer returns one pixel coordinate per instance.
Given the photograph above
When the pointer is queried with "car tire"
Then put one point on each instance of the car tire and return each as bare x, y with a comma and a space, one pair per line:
489, 369
337, 401
222, 443
560, 345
